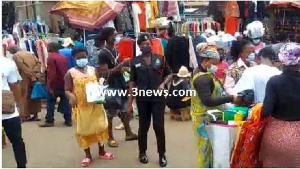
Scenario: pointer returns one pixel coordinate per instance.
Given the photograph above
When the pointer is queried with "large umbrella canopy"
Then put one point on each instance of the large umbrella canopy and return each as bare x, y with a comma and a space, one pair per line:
87, 14
284, 4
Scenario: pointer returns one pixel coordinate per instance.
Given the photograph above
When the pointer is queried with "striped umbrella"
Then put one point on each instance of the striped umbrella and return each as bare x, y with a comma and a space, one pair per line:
87, 14
284, 4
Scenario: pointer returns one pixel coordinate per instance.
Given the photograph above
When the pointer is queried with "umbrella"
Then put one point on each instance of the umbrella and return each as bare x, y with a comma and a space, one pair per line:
284, 4
87, 14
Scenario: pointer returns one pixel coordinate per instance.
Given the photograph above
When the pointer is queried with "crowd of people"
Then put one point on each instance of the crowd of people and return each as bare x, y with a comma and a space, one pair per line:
271, 71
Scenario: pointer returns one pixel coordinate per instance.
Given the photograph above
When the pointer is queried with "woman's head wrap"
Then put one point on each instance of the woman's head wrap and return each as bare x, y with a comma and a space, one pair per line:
289, 54
208, 50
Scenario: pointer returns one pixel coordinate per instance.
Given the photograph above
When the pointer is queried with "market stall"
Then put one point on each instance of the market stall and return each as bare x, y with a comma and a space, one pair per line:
287, 17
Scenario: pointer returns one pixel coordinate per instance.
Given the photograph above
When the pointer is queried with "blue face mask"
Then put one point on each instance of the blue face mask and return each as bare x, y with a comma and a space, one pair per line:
82, 62
213, 69
251, 57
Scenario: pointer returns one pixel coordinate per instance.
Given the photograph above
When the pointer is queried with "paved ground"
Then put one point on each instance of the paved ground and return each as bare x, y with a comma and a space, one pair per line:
56, 147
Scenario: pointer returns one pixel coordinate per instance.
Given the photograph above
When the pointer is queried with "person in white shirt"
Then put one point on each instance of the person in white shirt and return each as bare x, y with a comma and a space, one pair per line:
12, 122
256, 78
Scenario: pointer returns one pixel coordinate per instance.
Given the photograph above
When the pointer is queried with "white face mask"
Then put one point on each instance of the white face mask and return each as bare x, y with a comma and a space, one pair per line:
251, 57
82, 62
213, 69
256, 41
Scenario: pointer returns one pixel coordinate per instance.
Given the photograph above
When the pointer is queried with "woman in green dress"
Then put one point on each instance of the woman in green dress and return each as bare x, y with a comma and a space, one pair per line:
209, 97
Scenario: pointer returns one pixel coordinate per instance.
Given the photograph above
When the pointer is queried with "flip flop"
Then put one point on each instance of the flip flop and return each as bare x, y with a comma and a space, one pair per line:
112, 143
107, 156
86, 162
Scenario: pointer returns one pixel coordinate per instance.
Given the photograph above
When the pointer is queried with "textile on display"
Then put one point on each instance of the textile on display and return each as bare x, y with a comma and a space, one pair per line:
194, 28
231, 15
124, 19
87, 14
177, 53
21, 29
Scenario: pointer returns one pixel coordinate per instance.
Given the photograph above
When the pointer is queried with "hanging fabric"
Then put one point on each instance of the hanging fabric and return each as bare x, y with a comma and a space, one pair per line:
231, 15
126, 49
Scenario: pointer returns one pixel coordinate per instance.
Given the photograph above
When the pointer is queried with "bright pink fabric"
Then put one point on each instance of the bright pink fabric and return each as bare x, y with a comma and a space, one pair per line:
221, 70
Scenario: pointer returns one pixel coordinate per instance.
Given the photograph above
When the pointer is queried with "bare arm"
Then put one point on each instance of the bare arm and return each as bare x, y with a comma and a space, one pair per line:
69, 88
15, 88
130, 97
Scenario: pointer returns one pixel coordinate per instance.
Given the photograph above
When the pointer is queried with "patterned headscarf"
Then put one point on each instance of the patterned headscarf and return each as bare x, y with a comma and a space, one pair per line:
208, 50
289, 54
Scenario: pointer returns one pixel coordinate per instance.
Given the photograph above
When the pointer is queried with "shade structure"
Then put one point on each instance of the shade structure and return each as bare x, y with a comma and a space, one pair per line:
284, 4
87, 14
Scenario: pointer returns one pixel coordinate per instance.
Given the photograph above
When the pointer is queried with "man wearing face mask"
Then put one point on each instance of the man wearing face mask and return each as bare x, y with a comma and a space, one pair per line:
149, 72
209, 96
110, 69
256, 78
255, 32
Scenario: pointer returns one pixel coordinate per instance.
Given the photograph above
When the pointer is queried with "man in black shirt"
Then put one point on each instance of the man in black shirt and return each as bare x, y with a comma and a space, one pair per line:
110, 69
149, 72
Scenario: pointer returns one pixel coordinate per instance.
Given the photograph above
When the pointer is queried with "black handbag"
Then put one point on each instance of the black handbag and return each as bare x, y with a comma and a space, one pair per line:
112, 99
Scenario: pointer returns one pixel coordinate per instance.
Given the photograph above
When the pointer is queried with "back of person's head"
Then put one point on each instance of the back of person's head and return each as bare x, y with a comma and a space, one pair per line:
237, 48
282, 37
106, 33
268, 53
53, 47
77, 50
13, 49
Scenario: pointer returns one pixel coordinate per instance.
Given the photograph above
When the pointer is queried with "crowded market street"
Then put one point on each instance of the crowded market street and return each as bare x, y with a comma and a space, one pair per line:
54, 147
149, 84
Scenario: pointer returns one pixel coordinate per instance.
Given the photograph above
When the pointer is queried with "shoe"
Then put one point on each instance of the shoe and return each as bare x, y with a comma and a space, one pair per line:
131, 137
143, 158
68, 124
47, 124
163, 161
120, 127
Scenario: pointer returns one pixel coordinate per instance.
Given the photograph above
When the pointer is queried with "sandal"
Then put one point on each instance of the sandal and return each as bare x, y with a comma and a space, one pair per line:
112, 143
86, 162
107, 156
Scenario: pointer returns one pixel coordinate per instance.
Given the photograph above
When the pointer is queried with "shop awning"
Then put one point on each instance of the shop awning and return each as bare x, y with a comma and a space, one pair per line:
87, 14
284, 4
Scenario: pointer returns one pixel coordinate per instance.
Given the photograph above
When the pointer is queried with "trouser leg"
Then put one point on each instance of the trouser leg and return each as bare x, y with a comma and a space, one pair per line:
13, 130
51, 101
158, 109
66, 108
144, 110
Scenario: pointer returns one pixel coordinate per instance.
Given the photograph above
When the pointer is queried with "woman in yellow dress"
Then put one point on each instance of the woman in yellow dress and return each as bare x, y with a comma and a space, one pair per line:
90, 118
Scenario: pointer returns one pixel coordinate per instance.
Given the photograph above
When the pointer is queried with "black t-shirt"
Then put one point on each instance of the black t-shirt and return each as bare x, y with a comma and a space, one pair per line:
108, 56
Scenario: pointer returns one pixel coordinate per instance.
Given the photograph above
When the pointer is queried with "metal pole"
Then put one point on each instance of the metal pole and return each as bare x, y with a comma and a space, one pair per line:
34, 10
84, 37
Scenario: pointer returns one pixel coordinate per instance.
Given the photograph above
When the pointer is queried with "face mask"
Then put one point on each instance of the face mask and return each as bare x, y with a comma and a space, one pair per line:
256, 41
82, 62
251, 57
213, 69
146, 49
117, 39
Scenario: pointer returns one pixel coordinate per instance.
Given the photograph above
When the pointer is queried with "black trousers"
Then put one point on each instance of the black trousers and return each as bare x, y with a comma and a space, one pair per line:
13, 131
156, 109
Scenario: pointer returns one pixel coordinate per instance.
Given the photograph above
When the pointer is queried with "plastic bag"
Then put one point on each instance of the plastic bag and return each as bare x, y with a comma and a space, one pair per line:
38, 91
222, 138
95, 93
